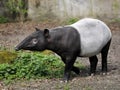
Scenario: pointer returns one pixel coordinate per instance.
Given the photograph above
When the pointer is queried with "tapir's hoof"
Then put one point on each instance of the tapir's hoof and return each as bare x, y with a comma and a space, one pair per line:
64, 81
92, 74
104, 73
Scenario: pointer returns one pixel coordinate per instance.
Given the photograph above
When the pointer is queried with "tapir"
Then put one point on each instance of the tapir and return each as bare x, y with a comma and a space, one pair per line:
84, 38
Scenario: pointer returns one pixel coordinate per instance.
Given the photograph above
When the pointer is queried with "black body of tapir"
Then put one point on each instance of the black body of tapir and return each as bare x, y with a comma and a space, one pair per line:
85, 38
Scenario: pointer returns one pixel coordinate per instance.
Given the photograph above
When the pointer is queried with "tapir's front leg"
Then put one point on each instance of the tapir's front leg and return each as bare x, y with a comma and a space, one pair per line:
74, 68
68, 66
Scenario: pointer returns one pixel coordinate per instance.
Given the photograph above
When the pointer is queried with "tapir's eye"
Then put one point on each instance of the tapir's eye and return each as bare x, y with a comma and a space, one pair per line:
34, 41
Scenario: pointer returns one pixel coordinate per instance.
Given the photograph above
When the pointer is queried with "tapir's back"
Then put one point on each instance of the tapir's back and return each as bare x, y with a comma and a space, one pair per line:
94, 35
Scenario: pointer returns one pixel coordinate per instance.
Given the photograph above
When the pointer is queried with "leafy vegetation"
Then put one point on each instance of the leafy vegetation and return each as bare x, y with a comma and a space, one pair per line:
117, 20
32, 65
17, 8
3, 19
72, 20
66, 87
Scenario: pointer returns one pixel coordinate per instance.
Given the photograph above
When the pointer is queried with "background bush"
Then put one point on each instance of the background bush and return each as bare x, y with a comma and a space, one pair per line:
3, 19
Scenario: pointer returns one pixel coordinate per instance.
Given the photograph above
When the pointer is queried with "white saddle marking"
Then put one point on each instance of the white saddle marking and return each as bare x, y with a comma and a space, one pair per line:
94, 35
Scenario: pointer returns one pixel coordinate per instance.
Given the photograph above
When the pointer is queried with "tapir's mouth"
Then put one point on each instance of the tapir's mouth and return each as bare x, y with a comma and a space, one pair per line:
17, 49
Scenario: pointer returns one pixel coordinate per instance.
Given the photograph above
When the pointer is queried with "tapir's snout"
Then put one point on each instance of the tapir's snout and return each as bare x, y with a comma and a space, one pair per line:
19, 46
17, 49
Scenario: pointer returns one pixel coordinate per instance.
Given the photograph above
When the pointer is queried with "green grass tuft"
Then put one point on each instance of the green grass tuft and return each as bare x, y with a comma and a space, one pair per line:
71, 20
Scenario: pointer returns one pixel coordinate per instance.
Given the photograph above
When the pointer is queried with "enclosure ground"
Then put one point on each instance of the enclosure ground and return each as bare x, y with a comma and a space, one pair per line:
12, 33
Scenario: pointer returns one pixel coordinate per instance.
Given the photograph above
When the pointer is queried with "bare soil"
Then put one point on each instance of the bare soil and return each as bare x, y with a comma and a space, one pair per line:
12, 33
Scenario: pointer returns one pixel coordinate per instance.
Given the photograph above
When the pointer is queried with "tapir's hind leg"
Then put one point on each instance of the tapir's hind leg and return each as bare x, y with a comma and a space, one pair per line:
104, 54
93, 63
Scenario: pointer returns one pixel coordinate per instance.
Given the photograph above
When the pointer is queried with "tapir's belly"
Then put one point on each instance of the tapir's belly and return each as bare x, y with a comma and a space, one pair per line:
94, 35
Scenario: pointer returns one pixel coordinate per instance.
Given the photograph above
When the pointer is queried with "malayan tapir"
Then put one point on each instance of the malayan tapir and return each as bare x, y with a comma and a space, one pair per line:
85, 38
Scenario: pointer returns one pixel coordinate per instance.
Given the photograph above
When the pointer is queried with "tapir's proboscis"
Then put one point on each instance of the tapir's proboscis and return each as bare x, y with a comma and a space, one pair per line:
86, 38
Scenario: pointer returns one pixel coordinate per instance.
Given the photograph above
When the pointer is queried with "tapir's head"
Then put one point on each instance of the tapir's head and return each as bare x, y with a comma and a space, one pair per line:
34, 42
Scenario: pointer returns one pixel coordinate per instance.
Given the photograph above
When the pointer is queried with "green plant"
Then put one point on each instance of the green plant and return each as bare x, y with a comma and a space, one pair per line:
80, 65
66, 87
72, 20
32, 65
17, 8
116, 20
3, 19
2, 48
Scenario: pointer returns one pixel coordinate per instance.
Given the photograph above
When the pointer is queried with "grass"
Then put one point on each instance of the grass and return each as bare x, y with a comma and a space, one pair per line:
71, 21
80, 65
66, 87
115, 20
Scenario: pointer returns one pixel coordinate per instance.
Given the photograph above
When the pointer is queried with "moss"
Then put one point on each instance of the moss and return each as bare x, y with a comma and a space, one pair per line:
7, 56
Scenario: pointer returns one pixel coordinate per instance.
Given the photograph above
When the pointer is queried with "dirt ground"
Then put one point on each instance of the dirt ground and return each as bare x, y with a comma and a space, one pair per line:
12, 33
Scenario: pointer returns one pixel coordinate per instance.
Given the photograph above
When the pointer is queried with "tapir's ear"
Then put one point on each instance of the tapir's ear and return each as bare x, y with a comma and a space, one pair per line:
36, 29
46, 33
